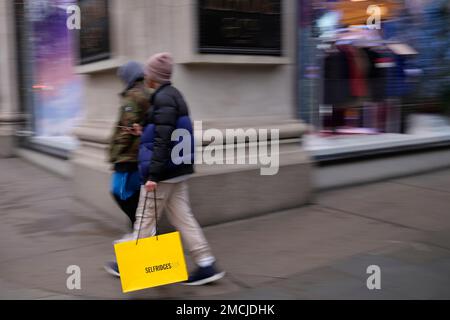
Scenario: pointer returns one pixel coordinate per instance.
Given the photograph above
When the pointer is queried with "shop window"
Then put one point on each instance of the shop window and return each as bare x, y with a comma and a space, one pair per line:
240, 27
95, 32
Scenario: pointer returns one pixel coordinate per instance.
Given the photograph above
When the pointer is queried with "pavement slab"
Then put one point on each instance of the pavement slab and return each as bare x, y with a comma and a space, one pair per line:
320, 251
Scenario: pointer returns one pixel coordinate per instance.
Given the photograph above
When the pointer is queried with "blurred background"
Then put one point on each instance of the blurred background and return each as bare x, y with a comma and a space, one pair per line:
359, 89
369, 71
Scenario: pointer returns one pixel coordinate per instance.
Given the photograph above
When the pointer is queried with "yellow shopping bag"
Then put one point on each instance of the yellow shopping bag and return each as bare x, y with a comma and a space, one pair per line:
151, 262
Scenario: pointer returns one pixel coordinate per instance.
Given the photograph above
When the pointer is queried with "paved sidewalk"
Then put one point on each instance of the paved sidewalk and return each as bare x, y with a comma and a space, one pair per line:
320, 251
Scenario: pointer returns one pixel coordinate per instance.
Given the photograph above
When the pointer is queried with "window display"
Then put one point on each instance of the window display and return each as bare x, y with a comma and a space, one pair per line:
54, 92
374, 86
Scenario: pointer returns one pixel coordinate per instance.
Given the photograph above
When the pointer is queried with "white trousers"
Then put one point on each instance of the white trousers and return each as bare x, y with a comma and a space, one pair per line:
173, 198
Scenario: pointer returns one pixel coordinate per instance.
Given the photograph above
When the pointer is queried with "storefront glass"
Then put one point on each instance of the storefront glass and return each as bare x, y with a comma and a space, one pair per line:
373, 74
47, 57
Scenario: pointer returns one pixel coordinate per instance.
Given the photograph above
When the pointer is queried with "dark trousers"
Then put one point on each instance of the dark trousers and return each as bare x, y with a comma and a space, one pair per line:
129, 206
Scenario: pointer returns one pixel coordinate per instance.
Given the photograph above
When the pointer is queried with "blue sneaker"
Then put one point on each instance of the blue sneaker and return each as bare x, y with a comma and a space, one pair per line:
204, 275
112, 268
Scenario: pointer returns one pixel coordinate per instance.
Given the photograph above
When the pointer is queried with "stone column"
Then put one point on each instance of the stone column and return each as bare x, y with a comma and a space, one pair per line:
223, 91
10, 116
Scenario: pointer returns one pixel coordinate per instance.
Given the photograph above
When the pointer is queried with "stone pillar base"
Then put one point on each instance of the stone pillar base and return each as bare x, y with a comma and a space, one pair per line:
6, 146
218, 193
233, 195
9, 123
216, 196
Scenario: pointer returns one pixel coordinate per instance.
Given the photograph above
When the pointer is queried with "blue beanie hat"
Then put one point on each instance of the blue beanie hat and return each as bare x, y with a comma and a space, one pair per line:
131, 72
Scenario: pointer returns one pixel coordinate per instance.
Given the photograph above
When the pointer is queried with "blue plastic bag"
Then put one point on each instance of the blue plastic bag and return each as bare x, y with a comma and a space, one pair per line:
125, 184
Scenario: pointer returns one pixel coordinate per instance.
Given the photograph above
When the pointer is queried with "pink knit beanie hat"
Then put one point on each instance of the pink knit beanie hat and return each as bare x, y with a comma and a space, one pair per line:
159, 67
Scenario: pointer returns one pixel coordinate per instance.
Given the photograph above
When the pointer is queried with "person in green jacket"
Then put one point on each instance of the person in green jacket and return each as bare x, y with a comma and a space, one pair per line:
124, 145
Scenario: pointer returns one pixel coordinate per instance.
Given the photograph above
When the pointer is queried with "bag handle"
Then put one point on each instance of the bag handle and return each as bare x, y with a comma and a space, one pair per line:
142, 217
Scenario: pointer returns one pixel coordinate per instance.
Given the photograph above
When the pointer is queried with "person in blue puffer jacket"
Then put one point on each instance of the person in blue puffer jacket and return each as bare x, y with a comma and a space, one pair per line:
167, 172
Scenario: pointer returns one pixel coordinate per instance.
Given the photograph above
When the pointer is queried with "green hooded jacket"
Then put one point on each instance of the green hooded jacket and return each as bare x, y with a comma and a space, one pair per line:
124, 146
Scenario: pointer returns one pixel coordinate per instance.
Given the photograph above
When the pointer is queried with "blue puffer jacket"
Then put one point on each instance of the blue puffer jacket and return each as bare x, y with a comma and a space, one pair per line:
168, 112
